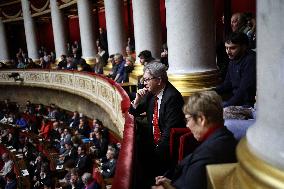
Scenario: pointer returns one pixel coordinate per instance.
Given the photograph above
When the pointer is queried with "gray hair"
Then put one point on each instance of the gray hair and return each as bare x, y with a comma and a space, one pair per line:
156, 69
87, 177
118, 56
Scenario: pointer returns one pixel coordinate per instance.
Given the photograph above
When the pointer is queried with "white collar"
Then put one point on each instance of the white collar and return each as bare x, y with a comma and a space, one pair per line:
160, 95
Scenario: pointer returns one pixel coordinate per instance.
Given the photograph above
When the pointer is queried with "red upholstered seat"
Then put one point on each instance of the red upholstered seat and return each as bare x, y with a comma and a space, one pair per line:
175, 135
187, 144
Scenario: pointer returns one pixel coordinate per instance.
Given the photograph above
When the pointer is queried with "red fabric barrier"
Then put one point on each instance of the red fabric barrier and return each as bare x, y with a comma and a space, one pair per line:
187, 145
175, 135
124, 169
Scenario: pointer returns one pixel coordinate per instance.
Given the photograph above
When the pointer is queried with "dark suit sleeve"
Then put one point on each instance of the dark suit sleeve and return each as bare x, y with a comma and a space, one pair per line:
226, 85
141, 108
108, 169
173, 117
196, 177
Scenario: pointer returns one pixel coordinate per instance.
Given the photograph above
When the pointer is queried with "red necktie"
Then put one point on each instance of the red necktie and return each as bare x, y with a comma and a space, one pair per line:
156, 129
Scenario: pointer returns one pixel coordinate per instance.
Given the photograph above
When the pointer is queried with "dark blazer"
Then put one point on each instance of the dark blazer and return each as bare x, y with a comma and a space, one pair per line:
72, 154
191, 172
170, 116
108, 168
84, 164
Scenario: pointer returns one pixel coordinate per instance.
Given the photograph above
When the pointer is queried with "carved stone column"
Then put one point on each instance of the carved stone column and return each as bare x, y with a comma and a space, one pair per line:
191, 44
115, 26
86, 30
265, 139
58, 29
147, 26
4, 55
30, 31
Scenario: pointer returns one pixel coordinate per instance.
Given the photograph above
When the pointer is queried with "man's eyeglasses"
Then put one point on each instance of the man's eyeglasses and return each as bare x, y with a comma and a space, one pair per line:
146, 80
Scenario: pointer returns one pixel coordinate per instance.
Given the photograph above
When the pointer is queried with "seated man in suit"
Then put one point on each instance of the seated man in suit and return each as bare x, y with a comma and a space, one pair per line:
69, 153
83, 162
204, 116
107, 168
163, 104
240, 81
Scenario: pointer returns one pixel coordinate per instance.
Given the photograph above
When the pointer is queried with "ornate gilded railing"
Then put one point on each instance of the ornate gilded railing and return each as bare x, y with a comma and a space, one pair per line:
99, 90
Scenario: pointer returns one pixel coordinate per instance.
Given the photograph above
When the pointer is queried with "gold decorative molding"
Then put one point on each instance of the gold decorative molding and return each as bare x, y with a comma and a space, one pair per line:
67, 3
218, 174
250, 172
253, 172
193, 82
108, 68
138, 69
96, 89
10, 3
40, 9
90, 61
41, 13
13, 16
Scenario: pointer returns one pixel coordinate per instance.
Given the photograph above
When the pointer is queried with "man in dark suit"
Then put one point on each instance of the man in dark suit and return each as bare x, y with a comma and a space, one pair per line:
204, 115
83, 162
69, 153
163, 104
107, 168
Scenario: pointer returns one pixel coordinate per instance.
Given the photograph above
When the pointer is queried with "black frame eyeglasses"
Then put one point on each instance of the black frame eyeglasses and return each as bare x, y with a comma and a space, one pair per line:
146, 80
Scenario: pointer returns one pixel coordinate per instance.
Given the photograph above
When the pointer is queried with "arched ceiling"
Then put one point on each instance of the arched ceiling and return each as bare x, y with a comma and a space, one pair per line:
10, 10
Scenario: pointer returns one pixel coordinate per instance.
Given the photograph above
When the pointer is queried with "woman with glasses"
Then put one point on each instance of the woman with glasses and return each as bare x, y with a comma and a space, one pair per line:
204, 117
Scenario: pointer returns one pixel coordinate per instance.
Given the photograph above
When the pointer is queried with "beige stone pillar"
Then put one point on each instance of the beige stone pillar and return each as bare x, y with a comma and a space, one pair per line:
147, 29
30, 31
86, 30
115, 26
4, 55
58, 29
191, 44
265, 139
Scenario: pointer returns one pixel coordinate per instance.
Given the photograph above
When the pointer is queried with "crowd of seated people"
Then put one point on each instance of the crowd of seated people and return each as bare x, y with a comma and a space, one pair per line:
240, 23
73, 142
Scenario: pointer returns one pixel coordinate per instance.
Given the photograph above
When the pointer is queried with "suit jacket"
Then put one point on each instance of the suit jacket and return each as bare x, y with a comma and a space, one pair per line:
108, 168
70, 154
84, 164
191, 172
170, 115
